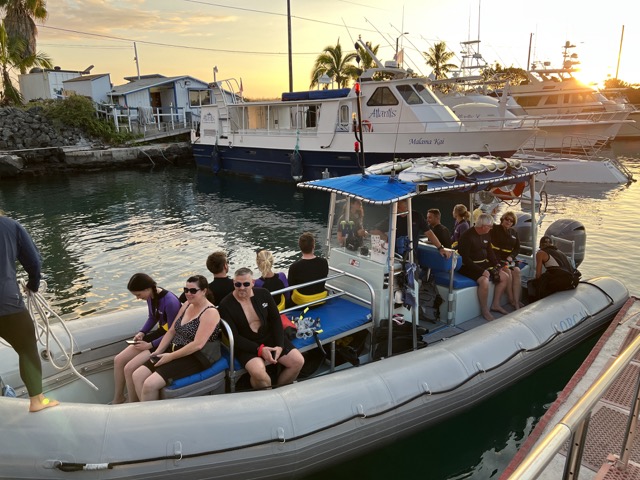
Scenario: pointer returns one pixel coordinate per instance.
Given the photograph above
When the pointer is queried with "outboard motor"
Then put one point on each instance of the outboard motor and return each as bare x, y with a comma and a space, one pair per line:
569, 229
523, 229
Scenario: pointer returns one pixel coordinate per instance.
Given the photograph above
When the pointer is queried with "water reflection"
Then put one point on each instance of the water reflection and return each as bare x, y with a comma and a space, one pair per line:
95, 230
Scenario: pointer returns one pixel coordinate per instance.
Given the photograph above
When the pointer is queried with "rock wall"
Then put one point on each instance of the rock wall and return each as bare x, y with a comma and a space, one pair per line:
31, 145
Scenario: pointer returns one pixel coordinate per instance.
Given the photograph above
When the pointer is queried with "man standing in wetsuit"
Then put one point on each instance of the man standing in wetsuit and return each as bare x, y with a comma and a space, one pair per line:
477, 261
257, 330
16, 325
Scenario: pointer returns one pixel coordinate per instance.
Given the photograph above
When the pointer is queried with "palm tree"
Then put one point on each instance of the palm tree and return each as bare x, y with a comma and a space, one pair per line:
437, 58
12, 57
335, 64
19, 22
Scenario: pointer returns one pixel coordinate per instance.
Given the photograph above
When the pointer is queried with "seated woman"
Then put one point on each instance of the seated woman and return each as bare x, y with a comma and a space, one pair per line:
197, 323
270, 280
461, 215
308, 269
163, 308
506, 246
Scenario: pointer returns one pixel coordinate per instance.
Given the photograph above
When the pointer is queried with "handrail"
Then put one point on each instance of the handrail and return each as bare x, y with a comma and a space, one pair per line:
574, 421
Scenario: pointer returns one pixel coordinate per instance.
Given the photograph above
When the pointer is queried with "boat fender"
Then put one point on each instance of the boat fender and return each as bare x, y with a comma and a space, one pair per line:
296, 165
216, 160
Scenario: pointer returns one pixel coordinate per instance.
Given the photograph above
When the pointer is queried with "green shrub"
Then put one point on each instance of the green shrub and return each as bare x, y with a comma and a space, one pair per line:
77, 111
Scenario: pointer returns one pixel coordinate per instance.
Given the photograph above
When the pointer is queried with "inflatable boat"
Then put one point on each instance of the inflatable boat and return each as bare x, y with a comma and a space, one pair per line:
381, 365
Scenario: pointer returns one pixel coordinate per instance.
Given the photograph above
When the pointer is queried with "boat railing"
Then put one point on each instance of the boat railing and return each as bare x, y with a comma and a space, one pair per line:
334, 291
574, 426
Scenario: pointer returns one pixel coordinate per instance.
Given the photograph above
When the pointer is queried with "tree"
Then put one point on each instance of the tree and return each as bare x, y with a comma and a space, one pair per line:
19, 23
12, 57
500, 74
437, 58
334, 63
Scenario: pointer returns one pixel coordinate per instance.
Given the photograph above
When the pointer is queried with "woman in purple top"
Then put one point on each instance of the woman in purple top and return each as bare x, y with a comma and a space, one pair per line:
461, 215
163, 308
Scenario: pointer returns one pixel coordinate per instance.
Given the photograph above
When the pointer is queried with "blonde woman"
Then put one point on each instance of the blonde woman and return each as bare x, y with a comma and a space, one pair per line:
269, 279
461, 215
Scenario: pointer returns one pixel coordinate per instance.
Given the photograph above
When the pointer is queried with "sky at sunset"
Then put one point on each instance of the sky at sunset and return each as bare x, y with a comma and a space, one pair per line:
248, 38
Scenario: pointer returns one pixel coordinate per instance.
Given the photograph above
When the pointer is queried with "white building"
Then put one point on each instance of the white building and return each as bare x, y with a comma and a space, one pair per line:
96, 87
42, 83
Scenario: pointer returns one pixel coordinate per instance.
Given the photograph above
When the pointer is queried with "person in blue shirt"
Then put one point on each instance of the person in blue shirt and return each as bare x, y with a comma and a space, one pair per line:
16, 325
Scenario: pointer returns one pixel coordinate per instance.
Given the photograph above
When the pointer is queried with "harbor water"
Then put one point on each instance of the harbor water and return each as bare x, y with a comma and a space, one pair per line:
95, 230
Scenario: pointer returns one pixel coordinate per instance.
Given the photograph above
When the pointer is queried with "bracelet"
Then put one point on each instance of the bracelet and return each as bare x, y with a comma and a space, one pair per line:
260, 350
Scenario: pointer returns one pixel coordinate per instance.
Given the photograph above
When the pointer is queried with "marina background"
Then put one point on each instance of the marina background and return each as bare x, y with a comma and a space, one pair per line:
95, 230
248, 39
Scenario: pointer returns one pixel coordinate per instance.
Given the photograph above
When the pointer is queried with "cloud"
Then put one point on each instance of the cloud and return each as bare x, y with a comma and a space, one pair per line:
139, 19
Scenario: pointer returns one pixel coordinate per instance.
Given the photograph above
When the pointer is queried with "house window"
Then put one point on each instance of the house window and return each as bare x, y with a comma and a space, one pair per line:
199, 97
383, 96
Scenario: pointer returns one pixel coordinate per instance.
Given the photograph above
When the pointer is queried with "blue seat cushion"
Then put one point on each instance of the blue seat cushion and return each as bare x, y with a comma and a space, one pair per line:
220, 366
337, 316
459, 280
429, 257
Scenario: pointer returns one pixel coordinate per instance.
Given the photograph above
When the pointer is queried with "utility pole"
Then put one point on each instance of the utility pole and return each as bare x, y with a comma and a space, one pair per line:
290, 58
135, 50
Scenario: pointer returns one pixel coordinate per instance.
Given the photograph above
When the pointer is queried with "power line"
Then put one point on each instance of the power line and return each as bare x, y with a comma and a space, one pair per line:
159, 44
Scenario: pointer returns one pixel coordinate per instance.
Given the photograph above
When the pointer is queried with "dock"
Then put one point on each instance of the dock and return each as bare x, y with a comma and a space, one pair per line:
589, 432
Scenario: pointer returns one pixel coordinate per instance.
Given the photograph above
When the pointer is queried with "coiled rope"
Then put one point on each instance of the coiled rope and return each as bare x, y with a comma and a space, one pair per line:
40, 312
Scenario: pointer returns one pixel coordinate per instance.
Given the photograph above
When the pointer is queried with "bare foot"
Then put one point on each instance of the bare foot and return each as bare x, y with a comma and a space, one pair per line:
498, 308
40, 402
518, 305
487, 315
118, 400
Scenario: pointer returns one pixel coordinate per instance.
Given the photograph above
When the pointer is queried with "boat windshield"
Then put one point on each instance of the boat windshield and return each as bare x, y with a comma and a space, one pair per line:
354, 222
409, 94
424, 92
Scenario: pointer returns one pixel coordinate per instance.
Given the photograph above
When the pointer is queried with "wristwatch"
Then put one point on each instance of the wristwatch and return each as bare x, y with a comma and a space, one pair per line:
440, 247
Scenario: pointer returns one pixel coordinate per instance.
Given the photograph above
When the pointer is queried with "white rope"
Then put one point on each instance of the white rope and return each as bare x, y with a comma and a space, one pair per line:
40, 311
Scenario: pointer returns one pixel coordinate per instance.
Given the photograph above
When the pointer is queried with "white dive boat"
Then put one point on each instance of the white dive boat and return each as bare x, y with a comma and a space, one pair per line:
339, 410
310, 135
570, 116
574, 168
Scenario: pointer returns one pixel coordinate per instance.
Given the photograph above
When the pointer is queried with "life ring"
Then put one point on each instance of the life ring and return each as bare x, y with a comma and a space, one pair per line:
509, 192
366, 126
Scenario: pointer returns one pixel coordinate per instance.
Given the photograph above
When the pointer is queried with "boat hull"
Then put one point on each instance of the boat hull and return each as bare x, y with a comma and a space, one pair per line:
276, 164
293, 430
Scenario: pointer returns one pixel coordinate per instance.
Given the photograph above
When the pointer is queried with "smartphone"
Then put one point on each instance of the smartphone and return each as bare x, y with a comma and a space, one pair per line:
154, 359
132, 342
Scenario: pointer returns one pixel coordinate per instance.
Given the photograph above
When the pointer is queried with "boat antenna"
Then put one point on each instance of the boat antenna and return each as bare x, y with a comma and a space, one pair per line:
357, 130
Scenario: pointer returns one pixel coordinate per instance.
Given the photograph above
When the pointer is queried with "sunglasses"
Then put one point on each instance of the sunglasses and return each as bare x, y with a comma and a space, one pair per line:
192, 291
242, 284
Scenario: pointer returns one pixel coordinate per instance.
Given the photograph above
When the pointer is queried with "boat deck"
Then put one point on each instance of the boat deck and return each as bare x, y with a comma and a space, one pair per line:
608, 424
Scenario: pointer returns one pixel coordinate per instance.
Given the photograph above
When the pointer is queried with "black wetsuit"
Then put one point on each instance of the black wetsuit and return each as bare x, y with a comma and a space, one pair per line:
476, 252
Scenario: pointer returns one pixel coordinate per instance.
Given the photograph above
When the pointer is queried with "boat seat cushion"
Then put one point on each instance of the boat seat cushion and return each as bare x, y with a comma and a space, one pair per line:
338, 316
459, 280
429, 257
220, 367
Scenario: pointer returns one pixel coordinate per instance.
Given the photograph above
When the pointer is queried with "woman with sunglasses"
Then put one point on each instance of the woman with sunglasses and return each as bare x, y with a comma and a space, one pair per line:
197, 323
163, 308
506, 246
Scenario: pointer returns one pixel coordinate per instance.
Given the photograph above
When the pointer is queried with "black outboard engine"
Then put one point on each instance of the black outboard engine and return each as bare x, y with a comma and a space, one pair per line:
523, 228
569, 229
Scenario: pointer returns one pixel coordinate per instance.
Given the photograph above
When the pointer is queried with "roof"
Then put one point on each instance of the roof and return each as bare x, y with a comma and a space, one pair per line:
146, 83
86, 77
385, 189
